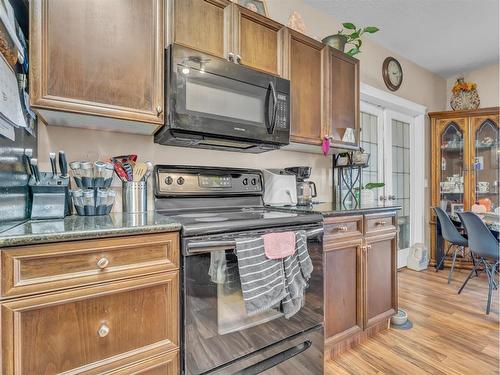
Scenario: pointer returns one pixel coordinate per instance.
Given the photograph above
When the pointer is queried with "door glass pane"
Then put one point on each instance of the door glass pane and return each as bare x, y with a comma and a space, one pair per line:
452, 170
401, 177
369, 142
486, 165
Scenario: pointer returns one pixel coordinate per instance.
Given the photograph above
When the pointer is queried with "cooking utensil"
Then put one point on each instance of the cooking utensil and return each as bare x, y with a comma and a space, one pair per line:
36, 171
129, 170
120, 172
139, 171
63, 164
149, 171
28, 154
52, 157
124, 158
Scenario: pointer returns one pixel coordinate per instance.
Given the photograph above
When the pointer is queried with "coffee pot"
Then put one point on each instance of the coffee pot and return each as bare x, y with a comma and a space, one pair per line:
306, 190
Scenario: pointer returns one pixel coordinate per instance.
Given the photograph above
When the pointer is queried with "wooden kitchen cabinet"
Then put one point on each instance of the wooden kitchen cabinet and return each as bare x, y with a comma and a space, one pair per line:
209, 18
98, 63
380, 278
227, 30
341, 115
120, 319
360, 276
305, 75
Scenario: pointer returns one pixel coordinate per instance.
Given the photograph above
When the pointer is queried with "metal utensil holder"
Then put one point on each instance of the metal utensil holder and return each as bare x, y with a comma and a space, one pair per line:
50, 197
134, 196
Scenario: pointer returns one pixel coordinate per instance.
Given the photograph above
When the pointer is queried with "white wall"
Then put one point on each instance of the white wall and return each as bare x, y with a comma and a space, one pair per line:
488, 81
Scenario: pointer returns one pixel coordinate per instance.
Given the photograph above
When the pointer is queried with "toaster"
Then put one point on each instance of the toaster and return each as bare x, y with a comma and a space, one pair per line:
280, 188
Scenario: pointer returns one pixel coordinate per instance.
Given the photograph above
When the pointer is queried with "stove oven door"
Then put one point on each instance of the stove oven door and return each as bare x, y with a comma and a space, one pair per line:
218, 334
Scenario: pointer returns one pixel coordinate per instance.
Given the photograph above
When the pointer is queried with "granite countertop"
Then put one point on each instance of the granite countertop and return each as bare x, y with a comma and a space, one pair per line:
328, 209
87, 227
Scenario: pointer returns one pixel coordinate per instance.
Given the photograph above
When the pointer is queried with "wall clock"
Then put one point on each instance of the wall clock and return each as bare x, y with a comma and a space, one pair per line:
392, 73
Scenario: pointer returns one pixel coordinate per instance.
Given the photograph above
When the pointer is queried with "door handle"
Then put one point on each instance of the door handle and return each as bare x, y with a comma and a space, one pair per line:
271, 115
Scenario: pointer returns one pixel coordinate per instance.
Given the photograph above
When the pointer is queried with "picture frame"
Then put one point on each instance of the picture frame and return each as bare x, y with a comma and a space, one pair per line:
258, 6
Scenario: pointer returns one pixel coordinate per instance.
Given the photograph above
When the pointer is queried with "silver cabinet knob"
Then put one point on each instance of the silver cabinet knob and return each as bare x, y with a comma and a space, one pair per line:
391, 197
230, 56
238, 59
102, 263
382, 198
159, 110
103, 330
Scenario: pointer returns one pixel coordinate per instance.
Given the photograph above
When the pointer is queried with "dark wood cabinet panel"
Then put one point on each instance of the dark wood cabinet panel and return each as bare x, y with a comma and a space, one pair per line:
342, 95
98, 58
343, 291
86, 328
380, 278
257, 40
306, 85
199, 24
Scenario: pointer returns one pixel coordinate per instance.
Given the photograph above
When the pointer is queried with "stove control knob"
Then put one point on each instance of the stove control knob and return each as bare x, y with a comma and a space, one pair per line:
254, 181
180, 181
169, 180
245, 181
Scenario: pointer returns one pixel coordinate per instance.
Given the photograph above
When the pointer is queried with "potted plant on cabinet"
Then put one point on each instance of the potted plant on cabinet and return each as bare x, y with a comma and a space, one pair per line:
352, 36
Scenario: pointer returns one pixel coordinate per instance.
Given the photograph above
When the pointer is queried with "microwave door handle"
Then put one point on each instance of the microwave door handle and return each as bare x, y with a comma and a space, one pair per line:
271, 116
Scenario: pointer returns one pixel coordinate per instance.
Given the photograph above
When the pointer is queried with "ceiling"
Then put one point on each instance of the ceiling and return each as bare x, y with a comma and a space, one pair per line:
445, 36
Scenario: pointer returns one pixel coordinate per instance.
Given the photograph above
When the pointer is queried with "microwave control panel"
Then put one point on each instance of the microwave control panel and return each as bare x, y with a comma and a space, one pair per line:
283, 112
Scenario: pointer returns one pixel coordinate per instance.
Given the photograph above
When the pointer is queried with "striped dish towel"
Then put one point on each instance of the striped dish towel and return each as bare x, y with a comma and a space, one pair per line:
268, 283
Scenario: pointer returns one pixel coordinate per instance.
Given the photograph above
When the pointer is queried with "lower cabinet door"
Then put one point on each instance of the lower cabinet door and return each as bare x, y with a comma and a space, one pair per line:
379, 278
343, 294
91, 330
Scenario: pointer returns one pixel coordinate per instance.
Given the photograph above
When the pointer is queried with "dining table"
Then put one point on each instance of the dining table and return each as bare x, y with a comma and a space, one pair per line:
492, 226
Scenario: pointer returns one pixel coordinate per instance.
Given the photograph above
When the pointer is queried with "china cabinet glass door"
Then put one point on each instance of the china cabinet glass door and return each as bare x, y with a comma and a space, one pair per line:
452, 182
485, 159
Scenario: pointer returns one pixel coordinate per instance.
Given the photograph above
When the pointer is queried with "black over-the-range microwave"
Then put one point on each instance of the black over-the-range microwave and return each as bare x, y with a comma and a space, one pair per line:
218, 104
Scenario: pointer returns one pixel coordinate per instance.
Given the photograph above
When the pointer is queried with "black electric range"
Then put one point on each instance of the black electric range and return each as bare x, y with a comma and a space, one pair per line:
215, 206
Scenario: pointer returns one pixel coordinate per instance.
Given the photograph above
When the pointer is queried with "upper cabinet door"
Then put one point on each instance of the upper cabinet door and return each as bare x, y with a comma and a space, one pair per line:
95, 57
199, 24
257, 40
306, 85
342, 99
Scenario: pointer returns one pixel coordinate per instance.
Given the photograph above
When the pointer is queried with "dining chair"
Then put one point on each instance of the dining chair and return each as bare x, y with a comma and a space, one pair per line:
456, 241
485, 246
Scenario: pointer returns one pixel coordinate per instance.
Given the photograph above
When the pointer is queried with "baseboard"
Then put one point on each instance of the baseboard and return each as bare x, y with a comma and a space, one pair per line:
333, 351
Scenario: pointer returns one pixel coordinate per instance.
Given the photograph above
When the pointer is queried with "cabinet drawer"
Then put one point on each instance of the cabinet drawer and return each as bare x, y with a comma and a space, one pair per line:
47, 267
89, 330
380, 223
343, 227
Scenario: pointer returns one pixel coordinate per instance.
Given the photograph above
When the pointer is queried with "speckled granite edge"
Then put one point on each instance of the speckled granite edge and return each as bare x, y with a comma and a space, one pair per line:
74, 228
327, 210
360, 211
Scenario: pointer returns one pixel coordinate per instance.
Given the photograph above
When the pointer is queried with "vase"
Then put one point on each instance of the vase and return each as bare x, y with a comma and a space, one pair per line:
464, 99
336, 41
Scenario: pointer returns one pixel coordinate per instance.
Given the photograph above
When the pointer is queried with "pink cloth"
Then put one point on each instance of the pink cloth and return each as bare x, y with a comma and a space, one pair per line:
279, 245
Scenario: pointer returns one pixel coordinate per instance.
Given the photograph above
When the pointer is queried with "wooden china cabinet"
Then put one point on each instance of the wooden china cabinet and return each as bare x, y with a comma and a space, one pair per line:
464, 162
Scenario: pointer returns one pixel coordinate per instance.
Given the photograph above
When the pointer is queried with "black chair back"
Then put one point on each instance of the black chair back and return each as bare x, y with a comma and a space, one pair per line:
481, 241
448, 229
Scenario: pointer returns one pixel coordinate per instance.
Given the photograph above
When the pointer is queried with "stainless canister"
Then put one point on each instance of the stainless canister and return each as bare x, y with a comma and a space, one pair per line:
134, 196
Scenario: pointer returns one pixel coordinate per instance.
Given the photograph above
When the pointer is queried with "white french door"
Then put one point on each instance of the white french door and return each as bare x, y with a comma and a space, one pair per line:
389, 138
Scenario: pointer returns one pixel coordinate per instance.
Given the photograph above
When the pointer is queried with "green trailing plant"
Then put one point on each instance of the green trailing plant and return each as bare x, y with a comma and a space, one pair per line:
353, 36
374, 185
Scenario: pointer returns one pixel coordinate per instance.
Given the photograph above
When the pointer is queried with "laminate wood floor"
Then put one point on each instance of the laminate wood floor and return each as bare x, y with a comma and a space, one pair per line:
451, 333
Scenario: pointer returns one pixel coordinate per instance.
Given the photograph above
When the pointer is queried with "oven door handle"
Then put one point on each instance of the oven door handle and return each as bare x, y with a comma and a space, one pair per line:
218, 245
275, 360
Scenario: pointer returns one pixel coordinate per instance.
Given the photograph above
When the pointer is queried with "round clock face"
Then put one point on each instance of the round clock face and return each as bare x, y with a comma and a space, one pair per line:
393, 73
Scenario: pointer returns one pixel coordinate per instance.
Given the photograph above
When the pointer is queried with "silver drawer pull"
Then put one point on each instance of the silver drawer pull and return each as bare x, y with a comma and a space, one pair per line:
102, 263
342, 228
103, 330
381, 223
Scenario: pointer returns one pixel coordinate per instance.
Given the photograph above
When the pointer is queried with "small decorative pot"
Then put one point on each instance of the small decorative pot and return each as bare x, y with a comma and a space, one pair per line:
464, 98
336, 41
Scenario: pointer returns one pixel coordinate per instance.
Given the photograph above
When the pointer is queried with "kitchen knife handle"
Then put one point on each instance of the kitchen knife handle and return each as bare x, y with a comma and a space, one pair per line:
63, 164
